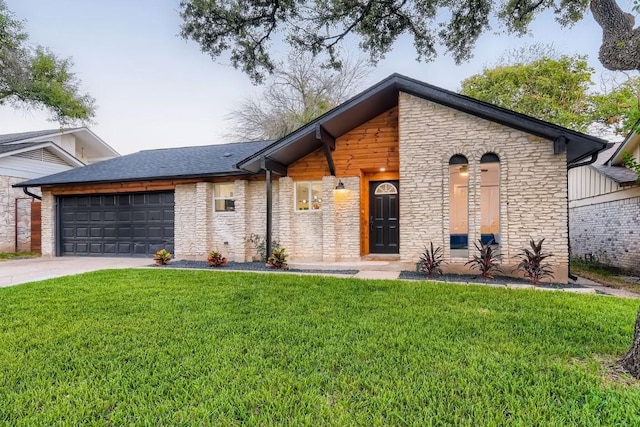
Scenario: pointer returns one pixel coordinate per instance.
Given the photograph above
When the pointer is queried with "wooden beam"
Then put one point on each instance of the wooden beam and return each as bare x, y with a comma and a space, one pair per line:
323, 135
327, 154
560, 145
273, 166
328, 145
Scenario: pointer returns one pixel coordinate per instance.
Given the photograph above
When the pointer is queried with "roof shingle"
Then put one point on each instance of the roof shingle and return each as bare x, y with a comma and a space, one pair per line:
199, 161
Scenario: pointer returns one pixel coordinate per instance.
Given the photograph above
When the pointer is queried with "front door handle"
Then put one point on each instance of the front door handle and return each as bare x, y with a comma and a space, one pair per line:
371, 223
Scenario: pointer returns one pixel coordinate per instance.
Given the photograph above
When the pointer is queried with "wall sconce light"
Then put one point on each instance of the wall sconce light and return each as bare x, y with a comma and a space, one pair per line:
464, 170
340, 185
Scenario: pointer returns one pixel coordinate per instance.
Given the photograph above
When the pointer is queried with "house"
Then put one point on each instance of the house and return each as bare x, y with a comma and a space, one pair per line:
398, 166
604, 203
35, 154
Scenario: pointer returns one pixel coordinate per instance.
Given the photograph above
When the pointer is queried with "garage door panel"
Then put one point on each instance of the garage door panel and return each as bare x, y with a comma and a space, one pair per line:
110, 232
139, 216
122, 224
81, 216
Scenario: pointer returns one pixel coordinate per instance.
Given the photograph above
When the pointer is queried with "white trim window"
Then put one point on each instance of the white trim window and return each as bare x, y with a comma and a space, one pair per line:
223, 200
308, 196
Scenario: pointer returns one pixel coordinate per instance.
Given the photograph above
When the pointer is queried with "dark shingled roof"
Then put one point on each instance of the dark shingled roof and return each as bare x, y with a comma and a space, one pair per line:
169, 163
619, 174
12, 137
7, 148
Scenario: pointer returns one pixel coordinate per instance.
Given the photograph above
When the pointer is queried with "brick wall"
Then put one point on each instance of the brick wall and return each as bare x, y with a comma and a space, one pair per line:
608, 232
533, 182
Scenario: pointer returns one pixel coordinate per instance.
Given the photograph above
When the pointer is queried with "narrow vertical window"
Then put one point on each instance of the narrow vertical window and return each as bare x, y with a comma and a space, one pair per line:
490, 198
459, 206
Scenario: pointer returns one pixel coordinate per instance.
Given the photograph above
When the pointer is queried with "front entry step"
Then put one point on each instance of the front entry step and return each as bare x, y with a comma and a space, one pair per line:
381, 257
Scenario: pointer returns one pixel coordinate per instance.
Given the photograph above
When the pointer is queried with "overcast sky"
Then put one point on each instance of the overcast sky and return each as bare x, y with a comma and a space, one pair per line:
155, 90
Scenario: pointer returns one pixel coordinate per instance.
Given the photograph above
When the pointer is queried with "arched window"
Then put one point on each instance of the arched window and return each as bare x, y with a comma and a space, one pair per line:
386, 188
490, 198
459, 206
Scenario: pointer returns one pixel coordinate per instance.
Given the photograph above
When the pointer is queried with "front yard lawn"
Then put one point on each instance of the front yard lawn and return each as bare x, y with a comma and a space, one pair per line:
171, 347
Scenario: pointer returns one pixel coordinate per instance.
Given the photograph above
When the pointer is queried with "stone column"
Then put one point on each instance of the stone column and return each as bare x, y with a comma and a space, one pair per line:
329, 238
241, 249
285, 213
48, 227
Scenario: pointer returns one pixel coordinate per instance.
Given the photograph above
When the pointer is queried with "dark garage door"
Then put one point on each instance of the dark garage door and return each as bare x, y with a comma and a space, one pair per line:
116, 224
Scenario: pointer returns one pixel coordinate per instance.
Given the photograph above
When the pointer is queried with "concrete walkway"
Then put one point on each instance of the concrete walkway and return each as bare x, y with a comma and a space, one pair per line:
20, 271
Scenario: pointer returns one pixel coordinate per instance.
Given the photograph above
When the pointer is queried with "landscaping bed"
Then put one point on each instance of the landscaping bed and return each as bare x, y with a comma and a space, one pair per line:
474, 278
250, 266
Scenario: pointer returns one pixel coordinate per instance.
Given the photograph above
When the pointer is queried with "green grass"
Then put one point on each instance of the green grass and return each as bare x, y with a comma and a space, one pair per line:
169, 347
18, 255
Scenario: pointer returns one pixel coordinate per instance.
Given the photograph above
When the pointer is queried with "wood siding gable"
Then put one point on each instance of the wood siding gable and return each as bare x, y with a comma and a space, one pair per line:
367, 148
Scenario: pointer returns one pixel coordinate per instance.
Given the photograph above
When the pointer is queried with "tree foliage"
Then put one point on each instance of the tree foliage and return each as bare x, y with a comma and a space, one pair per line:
556, 88
299, 91
246, 28
549, 89
37, 78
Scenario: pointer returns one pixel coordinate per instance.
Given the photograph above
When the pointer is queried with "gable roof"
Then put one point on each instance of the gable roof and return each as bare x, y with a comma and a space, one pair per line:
169, 163
384, 95
22, 136
90, 140
7, 150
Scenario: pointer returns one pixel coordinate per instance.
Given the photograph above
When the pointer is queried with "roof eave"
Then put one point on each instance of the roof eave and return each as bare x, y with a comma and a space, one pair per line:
153, 178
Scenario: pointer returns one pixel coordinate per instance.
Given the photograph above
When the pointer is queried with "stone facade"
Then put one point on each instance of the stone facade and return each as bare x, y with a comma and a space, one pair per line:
49, 219
9, 197
608, 233
533, 183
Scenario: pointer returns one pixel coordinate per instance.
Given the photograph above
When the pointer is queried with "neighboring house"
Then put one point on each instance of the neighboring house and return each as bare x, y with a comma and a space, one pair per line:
35, 154
604, 202
418, 164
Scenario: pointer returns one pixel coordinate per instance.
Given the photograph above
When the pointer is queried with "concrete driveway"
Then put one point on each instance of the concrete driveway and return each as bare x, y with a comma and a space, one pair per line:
29, 270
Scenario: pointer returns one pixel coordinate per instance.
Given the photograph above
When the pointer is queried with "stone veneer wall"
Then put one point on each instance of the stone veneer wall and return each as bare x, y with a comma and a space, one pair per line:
48, 226
199, 229
347, 220
608, 233
8, 198
533, 182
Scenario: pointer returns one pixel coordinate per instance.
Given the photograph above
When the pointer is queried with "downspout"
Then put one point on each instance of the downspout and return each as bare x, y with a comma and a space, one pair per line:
592, 160
30, 194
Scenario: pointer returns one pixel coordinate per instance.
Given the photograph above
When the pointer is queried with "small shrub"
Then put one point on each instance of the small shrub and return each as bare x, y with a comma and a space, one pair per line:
278, 259
431, 260
215, 259
162, 257
260, 245
486, 261
532, 262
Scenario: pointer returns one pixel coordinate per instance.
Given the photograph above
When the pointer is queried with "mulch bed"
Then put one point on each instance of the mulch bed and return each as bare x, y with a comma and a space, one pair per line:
248, 266
472, 278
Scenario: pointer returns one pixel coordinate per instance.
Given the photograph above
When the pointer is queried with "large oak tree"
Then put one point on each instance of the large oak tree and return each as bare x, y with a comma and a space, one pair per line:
34, 77
247, 28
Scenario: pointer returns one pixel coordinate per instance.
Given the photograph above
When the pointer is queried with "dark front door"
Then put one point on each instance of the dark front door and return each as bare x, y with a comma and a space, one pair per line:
384, 207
